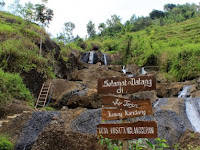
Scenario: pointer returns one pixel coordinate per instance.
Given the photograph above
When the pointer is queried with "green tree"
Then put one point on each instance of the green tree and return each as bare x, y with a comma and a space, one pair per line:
127, 26
102, 27
15, 7
114, 25
43, 15
91, 29
28, 11
133, 19
156, 14
115, 20
169, 7
66, 36
2, 4
68, 30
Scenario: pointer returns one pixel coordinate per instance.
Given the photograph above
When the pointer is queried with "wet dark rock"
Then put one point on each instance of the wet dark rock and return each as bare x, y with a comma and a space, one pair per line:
171, 119
50, 46
64, 69
34, 80
98, 57
33, 127
87, 121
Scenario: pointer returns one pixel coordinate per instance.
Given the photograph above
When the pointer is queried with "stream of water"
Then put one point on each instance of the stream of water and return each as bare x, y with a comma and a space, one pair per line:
185, 92
143, 71
105, 60
192, 107
91, 58
193, 112
124, 69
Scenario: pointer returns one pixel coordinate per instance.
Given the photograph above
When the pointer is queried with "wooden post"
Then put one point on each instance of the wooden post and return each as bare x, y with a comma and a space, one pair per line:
124, 142
125, 145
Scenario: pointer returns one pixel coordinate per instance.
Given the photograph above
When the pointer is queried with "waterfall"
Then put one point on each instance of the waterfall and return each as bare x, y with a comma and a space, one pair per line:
193, 112
105, 60
124, 69
192, 106
91, 58
143, 71
185, 92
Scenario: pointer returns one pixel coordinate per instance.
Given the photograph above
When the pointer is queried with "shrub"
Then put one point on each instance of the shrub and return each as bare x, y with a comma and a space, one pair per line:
12, 87
5, 144
138, 144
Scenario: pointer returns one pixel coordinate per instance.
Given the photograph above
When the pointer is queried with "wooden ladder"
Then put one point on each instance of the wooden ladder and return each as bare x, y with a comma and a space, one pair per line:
42, 98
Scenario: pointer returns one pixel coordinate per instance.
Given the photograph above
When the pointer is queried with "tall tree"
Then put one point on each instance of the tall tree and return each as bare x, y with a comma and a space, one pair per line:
66, 36
114, 25
91, 29
2, 4
115, 20
102, 27
43, 15
68, 30
133, 19
156, 14
15, 7
28, 11
169, 7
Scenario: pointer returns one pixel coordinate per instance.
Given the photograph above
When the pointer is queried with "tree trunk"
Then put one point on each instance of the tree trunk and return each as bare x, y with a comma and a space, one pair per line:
40, 51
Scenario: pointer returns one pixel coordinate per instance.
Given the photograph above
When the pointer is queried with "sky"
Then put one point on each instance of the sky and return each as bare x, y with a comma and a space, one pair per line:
81, 12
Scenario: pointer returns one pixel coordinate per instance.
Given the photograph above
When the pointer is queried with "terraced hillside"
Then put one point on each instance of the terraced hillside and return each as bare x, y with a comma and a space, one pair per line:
175, 48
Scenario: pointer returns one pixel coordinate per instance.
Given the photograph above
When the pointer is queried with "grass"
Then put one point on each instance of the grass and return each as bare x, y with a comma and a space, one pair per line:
175, 48
12, 87
19, 53
5, 143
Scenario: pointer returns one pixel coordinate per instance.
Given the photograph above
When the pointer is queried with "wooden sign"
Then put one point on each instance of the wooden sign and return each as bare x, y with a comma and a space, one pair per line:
120, 108
141, 129
124, 85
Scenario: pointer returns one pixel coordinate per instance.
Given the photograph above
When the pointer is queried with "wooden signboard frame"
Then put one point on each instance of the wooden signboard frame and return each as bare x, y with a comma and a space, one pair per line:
114, 105
119, 108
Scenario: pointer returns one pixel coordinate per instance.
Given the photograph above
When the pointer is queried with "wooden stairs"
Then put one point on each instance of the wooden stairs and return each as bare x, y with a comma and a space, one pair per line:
43, 95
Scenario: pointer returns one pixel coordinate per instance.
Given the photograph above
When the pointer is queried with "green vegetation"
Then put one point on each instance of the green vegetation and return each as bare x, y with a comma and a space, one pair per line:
19, 54
12, 87
138, 144
168, 39
5, 144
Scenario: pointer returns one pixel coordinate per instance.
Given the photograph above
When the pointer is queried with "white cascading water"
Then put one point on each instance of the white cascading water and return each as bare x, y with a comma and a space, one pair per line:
143, 71
105, 60
91, 58
124, 69
192, 110
185, 92
192, 107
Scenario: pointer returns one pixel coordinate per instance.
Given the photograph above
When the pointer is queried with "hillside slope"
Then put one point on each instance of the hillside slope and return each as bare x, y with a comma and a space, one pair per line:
175, 48
19, 58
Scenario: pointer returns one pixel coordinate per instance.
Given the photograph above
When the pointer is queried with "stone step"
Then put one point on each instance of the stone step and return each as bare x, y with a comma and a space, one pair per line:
14, 116
3, 121
26, 111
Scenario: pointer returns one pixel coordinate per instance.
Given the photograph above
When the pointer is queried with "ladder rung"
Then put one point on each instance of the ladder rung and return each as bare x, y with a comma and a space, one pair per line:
39, 105
41, 101
43, 95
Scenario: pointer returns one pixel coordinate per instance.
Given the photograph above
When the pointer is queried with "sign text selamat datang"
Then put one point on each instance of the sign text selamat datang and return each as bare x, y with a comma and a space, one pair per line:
124, 85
